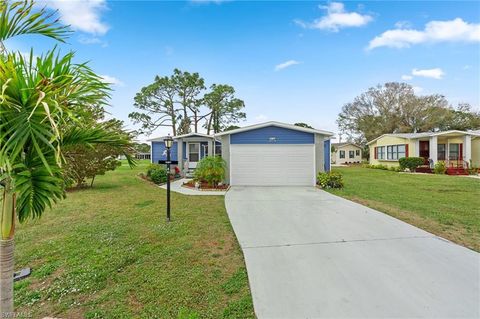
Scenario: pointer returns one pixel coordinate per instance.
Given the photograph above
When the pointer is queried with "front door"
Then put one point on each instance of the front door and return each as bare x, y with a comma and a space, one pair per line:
425, 150
193, 154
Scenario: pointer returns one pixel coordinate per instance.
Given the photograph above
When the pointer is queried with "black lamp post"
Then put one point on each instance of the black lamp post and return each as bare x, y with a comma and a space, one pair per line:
168, 145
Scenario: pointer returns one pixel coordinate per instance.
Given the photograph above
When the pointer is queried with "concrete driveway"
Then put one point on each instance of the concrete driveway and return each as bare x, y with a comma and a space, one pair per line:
310, 254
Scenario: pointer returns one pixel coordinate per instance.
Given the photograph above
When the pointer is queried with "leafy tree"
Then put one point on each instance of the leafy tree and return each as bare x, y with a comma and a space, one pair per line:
174, 101
462, 118
231, 127
305, 125
83, 162
142, 147
188, 87
391, 108
38, 102
157, 103
224, 108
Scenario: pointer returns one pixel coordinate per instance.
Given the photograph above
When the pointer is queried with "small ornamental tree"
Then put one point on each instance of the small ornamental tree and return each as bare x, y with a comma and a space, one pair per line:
87, 162
84, 162
211, 169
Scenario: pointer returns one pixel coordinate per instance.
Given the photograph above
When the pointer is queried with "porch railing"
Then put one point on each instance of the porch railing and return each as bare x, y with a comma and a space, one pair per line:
458, 163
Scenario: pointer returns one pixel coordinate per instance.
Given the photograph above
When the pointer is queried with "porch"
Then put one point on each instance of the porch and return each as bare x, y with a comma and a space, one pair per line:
455, 149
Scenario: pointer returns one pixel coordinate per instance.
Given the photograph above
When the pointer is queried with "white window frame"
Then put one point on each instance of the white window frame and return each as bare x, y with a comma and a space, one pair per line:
188, 152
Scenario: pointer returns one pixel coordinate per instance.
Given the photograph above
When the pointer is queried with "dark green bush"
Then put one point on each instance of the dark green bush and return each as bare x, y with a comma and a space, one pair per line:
211, 169
411, 163
157, 173
439, 168
152, 167
330, 180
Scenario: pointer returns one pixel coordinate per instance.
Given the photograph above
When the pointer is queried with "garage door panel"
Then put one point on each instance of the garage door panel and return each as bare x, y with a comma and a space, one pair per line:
272, 165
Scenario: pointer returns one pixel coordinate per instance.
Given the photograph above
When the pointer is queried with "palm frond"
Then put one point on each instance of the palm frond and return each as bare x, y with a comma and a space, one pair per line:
99, 134
19, 17
38, 95
37, 188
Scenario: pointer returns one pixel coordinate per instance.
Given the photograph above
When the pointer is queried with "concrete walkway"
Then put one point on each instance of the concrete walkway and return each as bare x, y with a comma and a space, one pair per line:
310, 254
176, 186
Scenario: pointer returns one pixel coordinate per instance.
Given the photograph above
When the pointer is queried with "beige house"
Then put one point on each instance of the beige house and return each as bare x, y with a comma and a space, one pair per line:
346, 153
458, 149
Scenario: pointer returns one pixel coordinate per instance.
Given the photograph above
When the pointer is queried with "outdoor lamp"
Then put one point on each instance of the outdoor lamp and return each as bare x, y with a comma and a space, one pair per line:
168, 142
168, 145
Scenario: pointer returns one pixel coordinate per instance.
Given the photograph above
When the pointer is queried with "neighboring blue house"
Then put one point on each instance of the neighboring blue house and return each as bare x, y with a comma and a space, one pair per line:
275, 154
270, 154
194, 147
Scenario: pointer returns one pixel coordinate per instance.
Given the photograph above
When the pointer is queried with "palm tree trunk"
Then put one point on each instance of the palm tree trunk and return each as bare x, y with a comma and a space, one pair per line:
7, 249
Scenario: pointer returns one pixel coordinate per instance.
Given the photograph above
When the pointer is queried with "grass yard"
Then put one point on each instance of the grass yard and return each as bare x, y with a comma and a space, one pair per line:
107, 252
448, 206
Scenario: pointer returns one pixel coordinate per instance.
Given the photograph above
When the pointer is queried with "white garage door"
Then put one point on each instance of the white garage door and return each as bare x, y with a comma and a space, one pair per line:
272, 165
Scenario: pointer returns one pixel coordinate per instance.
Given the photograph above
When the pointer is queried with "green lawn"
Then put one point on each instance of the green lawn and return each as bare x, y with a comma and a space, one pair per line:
448, 206
107, 252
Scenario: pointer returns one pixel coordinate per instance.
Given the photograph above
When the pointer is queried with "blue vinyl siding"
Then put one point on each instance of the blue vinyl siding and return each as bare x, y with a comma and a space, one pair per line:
326, 158
265, 135
158, 149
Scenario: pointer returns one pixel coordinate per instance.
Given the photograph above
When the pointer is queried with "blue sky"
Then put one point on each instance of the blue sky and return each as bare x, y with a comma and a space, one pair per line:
289, 61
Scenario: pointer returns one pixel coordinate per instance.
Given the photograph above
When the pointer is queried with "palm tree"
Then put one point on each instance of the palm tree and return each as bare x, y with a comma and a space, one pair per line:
18, 18
40, 102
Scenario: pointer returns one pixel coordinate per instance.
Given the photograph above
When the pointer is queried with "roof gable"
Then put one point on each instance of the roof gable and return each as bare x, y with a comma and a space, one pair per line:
277, 124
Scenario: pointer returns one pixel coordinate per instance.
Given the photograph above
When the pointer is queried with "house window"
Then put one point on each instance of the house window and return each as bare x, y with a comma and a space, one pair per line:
454, 152
381, 152
342, 154
193, 152
351, 154
442, 152
357, 152
394, 152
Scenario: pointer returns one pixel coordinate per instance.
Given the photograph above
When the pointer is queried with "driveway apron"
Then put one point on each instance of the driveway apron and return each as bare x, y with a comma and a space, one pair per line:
310, 254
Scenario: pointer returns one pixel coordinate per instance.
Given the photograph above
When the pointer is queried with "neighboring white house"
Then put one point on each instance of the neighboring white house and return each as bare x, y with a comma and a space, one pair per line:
346, 153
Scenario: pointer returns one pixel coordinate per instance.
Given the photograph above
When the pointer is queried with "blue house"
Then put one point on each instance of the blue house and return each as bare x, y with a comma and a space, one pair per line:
266, 154
187, 149
275, 154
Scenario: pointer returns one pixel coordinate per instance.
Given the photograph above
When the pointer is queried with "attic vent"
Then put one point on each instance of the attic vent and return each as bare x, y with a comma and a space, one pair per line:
272, 139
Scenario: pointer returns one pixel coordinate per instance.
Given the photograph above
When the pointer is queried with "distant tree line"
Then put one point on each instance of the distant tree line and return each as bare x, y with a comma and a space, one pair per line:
395, 108
182, 103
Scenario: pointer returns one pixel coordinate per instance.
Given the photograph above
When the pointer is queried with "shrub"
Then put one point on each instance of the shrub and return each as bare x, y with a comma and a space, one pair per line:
211, 169
330, 180
411, 163
157, 173
440, 168
153, 167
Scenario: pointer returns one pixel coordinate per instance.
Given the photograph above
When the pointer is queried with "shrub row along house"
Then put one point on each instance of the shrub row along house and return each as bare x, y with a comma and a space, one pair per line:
269, 154
458, 149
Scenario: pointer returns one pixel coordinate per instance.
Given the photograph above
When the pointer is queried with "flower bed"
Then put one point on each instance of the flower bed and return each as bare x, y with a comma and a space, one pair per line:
204, 186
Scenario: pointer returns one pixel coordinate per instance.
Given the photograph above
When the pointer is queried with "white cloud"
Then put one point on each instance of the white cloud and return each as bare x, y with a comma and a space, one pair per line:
435, 73
82, 15
406, 77
467, 67
112, 80
455, 30
285, 64
336, 18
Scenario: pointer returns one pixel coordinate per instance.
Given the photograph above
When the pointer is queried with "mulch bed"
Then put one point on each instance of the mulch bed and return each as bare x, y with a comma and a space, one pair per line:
204, 186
